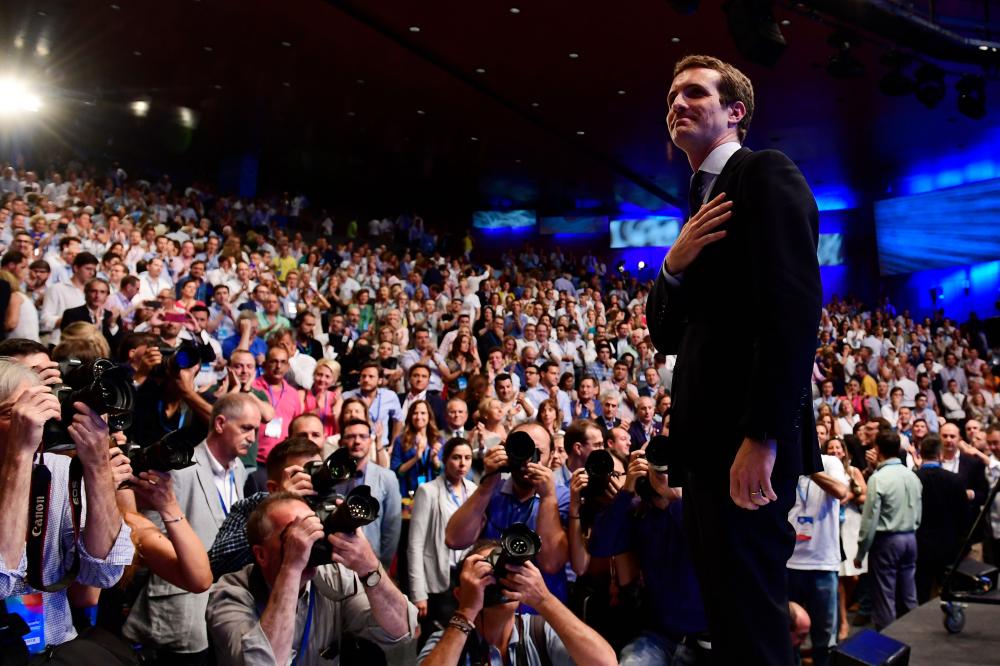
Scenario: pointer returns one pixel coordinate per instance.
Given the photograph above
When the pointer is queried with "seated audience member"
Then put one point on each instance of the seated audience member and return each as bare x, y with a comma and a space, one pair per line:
166, 618
608, 419
280, 610
477, 634
673, 622
416, 453
104, 546
942, 527
431, 562
645, 425
529, 495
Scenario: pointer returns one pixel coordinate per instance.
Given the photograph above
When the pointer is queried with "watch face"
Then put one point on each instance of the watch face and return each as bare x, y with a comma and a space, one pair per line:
373, 579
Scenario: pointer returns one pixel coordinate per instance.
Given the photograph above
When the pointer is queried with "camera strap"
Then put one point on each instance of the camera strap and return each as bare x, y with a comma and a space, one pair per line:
38, 521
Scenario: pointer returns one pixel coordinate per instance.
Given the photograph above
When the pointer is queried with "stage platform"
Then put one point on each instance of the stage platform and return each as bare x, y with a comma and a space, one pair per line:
931, 645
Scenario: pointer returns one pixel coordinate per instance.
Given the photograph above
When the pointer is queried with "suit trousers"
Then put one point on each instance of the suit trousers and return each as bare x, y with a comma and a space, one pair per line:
740, 558
892, 563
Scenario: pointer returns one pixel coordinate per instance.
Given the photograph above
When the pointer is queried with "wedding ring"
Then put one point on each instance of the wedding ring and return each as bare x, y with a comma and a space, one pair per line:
755, 492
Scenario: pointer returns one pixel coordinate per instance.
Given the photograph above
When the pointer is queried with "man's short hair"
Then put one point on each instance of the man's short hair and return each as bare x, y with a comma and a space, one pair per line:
232, 405
576, 433
734, 86
15, 347
85, 259
259, 526
296, 446
888, 443
370, 364
128, 281
930, 447
502, 377
12, 375
895, 390
40, 265
65, 241
417, 366
544, 367
353, 422
12, 257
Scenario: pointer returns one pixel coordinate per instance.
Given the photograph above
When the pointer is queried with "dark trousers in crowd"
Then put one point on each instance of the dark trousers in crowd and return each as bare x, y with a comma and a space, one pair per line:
892, 564
740, 559
930, 573
816, 591
992, 551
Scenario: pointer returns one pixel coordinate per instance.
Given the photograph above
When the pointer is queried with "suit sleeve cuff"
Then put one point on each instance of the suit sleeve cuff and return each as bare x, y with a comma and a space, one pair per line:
672, 280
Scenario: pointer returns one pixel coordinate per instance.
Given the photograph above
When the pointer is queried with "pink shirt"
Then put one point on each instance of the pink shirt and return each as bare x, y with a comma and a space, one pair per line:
285, 401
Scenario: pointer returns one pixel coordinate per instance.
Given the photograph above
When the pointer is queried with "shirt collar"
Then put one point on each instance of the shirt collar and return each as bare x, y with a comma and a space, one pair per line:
217, 468
890, 461
717, 159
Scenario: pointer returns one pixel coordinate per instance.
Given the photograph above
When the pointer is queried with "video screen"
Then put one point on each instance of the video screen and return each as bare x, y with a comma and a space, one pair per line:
654, 231
831, 249
503, 219
575, 224
952, 227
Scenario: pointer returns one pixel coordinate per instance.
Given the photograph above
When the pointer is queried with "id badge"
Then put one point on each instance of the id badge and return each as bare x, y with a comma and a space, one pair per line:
421, 480
804, 528
462, 383
273, 427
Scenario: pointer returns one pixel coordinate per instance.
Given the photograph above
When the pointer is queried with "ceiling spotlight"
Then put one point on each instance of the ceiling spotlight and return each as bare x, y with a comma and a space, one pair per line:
115, 7
207, 49
139, 108
421, 112
574, 56
580, 132
480, 70
187, 117
351, 114
361, 82
843, 64
137, 53
895, 82
535, 105
218, 86
621, 92
785, 23
675, 40
930, 85
473, 138
515, 10
287, 84
286, 44
16, 98
971, 96
42, 48
621, 266
642, 264
755, 32
984, 47
414, 28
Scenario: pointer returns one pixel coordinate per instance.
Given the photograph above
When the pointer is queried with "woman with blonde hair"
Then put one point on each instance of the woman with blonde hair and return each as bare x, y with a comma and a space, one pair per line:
324, 398
83, 341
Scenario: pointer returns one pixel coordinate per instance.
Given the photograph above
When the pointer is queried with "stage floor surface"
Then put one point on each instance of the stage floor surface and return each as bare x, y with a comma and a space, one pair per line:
931, 645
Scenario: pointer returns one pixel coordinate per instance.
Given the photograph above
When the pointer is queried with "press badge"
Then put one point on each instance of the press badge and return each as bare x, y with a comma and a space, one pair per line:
804, 528
273, 427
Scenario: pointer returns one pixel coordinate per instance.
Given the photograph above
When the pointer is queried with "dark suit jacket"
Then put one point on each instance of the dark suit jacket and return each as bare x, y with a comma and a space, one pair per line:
943, 521
972, 471
638, 435
437, 404
761, 278
82, 313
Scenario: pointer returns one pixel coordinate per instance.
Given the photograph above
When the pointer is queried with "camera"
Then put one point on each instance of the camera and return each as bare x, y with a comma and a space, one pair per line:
518, 544
521, 450
103, 386
658, 455
358, 509
187, 355
600, 466
325, 474
174, 451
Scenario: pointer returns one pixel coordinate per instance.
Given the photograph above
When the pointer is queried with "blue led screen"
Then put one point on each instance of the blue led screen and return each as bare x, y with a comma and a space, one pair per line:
831, 249
653, 231
952, 227
575, 224
503, 219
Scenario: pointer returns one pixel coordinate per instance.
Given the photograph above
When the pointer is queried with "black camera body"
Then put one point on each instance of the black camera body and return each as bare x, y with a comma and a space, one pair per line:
521, 450
175, 450
185, 356
325, 474
659, 456
518, 544
102, 385
600, 466
358, 509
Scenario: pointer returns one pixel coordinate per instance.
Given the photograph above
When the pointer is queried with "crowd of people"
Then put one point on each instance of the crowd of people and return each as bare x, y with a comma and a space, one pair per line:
270, 346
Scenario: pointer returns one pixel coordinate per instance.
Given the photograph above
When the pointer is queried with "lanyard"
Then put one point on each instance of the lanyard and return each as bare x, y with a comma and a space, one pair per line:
454, 497
804, 496
270, 395
232, 489
930, 465
180, 419
305, 632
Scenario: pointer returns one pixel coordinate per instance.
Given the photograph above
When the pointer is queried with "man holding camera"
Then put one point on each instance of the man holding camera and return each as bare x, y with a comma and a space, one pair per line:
165, 617
280, 609
479, 633
530, 496
103, 546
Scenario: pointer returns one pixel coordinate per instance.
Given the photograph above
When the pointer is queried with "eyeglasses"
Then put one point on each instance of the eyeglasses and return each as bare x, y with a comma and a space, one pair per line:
347, 439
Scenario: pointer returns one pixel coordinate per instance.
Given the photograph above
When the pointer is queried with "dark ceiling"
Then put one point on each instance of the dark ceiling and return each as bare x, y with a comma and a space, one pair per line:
453, 104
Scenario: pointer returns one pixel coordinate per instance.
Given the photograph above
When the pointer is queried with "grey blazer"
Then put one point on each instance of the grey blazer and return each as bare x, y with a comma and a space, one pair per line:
429, 557
166, 616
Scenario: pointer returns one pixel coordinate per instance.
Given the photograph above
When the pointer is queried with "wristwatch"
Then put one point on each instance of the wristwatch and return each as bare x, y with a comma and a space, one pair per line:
374, 578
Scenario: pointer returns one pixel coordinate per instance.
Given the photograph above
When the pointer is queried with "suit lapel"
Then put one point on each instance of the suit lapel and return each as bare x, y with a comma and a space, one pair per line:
207, 482
721, 183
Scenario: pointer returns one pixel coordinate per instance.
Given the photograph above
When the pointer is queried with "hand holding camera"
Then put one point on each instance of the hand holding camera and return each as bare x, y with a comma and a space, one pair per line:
28, 416
494, 462
295, 479
352, 550
476, 577
298, 541
156, 489
525, 584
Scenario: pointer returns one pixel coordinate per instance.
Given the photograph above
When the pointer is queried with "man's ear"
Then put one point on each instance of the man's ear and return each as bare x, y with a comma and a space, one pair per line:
737, 111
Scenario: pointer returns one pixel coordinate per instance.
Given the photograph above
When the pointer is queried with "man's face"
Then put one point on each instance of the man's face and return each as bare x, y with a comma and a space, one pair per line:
358, 441
610, 407
456, 413
505, 390
972, 428
96, 295
821, 433
993, 441
950, 439
308, 326
531, 376
422, 340
869, 430
243, 366
275, 364
696, 117
904, 417
269, 554
337, 325
551, 376
645, 410
368, 380
419, 379
200, 316
588, 389
620, 372
237, 434
619, 440
86, 272
529, 332
70, 251
311, 428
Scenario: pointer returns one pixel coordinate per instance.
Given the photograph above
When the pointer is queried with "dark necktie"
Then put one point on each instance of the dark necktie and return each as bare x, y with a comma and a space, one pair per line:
696, 194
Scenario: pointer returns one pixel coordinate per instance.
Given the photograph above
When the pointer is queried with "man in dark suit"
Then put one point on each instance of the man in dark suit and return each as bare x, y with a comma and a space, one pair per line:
941, 531
95, 296
418, 378
966, 462
747, 255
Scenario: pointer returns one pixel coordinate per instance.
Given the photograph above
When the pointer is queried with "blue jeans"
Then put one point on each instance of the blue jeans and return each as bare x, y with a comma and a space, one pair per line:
816, 591
652, 649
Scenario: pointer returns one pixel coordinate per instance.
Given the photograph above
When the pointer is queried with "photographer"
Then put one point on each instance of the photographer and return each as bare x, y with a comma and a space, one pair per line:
495, 634
285, 472
167, 618
103, 547
280, 609
529, 495
650, 528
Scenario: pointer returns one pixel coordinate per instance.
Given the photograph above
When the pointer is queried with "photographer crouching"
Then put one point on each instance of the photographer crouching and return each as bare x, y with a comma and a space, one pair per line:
310, 595
50, 540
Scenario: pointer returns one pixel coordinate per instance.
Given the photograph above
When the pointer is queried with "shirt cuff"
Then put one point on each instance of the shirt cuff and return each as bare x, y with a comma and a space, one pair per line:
672, 280
121, 553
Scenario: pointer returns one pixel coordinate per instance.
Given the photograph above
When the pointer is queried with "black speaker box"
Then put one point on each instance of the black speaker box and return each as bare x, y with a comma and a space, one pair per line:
870, 648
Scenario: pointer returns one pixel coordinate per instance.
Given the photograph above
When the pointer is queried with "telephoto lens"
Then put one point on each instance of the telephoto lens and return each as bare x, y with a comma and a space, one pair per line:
358, 509
520, 451
600, 465
325, 474
518, 544
103, 386
658, 455
174, 451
